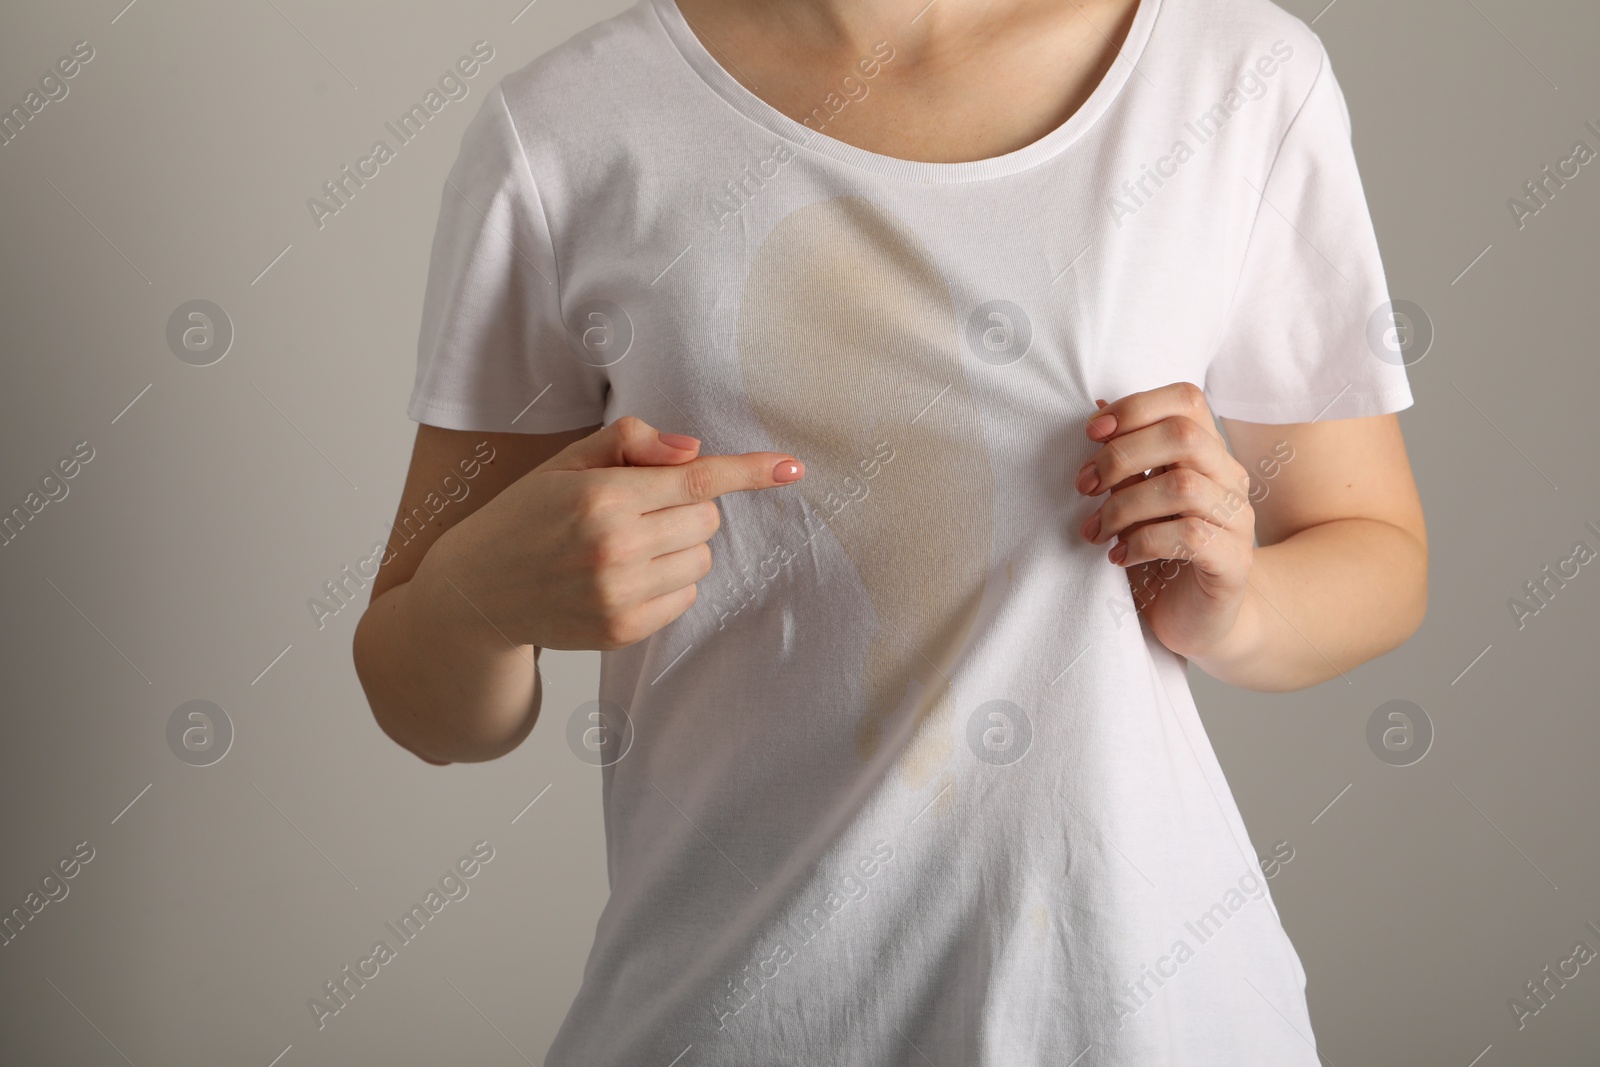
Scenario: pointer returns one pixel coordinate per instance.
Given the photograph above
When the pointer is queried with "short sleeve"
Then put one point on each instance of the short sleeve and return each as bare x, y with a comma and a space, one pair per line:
492, 341
1301, 341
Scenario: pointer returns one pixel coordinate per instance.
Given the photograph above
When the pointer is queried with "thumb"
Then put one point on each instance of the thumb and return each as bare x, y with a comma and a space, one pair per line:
628, 442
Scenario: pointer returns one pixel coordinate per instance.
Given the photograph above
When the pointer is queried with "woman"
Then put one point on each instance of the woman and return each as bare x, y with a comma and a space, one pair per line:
852, 370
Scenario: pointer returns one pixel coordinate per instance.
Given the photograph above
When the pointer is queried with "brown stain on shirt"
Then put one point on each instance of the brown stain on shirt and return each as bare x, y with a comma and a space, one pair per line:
846, 334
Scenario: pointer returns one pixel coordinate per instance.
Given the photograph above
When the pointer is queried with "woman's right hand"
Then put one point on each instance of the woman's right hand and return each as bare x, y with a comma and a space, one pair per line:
600, 546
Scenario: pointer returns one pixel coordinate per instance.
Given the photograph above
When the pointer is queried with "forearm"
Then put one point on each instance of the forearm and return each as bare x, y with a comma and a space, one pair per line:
1322, 602
441, 680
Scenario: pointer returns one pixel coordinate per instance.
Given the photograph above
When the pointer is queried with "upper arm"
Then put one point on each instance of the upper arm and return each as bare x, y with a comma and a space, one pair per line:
454, 473
1303, 474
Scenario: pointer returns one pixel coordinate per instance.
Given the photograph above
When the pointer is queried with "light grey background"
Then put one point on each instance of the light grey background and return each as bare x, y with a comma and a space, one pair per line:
180, 563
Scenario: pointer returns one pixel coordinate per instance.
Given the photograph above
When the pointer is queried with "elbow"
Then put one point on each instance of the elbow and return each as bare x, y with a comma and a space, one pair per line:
1419, 613
369, 674
488, 742
429, 721
1410, 603
428, 756
1418, 604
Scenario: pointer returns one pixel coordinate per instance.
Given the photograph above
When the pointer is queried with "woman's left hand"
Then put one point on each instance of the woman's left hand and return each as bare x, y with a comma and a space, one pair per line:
1179, 509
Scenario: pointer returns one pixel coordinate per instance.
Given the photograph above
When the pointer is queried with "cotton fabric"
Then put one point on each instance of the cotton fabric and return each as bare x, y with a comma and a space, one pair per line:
911, 781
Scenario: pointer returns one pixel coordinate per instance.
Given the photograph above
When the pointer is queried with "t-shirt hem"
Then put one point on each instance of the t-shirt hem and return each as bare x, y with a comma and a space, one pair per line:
535, 420
1348, 404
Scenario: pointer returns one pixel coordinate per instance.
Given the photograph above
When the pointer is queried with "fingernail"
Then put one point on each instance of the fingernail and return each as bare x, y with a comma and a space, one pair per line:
1091, 529
1102, 426
678, 440
1088, 479
787, 471
1119, 552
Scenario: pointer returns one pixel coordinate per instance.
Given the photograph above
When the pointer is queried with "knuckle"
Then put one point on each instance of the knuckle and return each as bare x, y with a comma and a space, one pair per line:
703, 561
613, 549
1186, 433
1109, 464
711, 516
595, 499
1186, 484
698, 482
587, 557
630, 427
589, 554
1238, 479
618, 630
1194, 531
1192, 394
606, 597
1138, 542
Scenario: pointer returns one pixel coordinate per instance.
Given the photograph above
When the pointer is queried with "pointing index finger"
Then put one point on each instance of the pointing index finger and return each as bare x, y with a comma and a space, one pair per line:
708, 477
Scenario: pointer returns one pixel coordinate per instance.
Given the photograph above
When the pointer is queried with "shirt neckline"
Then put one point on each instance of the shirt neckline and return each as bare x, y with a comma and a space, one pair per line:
1051, 144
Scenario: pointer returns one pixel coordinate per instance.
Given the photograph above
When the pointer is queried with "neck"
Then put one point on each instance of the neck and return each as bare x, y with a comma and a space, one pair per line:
912, 27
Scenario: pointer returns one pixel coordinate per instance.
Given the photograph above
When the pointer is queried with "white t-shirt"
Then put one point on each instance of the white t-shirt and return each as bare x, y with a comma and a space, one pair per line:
912, 782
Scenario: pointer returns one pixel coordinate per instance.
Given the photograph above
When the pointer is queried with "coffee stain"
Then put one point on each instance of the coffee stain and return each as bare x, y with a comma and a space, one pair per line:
846, 333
